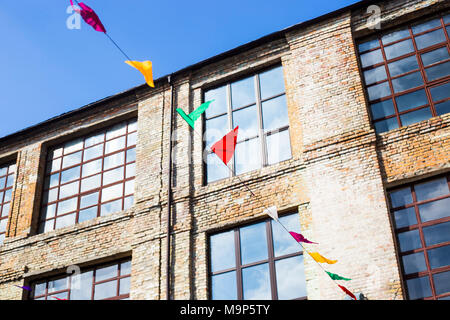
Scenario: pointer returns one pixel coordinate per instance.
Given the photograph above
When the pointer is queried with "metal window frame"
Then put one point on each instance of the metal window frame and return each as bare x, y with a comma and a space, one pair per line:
271, 259
3, 191
419, 226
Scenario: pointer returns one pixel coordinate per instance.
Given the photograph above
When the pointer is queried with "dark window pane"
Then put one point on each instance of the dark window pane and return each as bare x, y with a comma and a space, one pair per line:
418, 288
399, 49
386, 125
247, 156
379, 91
278, 147
290, 277
429, 39
442, 283
394, 36
439, 257
409, 240
371, 58
219, 105
224, 286
283, 243
426, 26
442, 108
256, 282
447, 19
382, 109
215, 168
247, 120
271, 82
440, 92
399, 67
415, 116
407, 82
222, 251
431, 189
243, 92
413, 263
437, 233
274, 113
372, 44
375, 75
215, 129
439, 71
411, 100
435, 210
434, 56
253, 243
405, 217
401, 197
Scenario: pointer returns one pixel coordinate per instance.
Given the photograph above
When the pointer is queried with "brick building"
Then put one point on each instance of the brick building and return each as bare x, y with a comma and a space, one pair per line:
344, 128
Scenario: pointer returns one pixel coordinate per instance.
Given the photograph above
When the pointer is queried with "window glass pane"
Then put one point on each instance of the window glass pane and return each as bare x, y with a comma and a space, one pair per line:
39, 288
113, 176
93, 152
125, 268
57, 285
115, 131
371, 58
411, 100
413, 263
415, 116
271, 82
372, 44
131, 155
402, 66
382, 109
409, 240
87, 214
243, 92
129, 187
2, 182
247, 120
10, 181
89, 200
439, 257
274, 113
128, 202
3, 225
81, 286
278, 147
7, 196
215, 168
435, 210
215, 129
90, 183
224, 286
437, 234
95, 139
5, 210
67, 206
379, 91
54, 180
65, 221
124, 286
418, 288
69, 189
283, 243
442, 283
401, 197
71, 159
434, 56
131, 170
105, 290
112, 192
48, 212
429, 39
222, 251
439, 71
386, 125
106, 273
440, 92
291, 281
247, 156
407, 82
426, 26
73, 146
394, 36
375, 75
132, 139
219, 105
447, 19
111, 207
405, 217
442, 108
431, 189
114, 160
132, 125
92, 167
399, 49
114, 145
253, 243
256, 282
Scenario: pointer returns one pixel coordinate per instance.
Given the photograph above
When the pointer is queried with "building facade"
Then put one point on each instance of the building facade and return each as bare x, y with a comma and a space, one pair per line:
344, 127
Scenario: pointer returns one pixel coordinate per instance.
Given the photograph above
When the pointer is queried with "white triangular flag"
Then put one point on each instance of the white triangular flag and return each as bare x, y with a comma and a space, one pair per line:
272, 212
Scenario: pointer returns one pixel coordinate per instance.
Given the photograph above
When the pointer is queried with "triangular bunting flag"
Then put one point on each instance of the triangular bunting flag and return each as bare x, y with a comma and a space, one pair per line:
145, 68
347, 292
335, 276
300, 238
321, 259
24, 287
224, 148
272, 212
194, 115
90, 17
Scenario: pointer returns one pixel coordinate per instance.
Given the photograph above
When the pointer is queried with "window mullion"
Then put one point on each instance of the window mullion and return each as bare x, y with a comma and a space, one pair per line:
272, 270
262, 139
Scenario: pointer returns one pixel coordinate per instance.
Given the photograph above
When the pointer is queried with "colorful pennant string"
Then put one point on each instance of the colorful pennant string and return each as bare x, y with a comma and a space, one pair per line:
272, 212
335, 276
194, 115
224, 148
321, 259
89, 16
145, 68
300, 238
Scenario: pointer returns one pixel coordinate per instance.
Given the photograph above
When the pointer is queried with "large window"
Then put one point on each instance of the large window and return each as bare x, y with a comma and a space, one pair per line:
7, 173
257, 105
106, 282
421, 213
257, 261
407, 73
90, 177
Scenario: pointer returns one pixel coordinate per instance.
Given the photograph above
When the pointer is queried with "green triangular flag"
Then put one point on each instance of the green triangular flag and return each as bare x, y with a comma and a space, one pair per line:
194, 115
336, 276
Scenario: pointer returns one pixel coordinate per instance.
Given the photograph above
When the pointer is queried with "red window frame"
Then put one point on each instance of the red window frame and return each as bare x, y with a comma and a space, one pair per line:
6, 188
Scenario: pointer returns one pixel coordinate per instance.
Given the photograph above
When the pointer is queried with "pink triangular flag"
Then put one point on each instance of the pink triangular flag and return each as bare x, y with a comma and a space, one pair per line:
300, 238
90, 17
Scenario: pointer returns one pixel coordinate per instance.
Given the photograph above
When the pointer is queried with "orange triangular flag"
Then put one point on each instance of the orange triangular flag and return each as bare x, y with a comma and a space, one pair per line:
321, 259
224, 148
145, 68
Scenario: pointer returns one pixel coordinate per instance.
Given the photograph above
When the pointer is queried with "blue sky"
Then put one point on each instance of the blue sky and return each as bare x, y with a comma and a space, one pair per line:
47, 69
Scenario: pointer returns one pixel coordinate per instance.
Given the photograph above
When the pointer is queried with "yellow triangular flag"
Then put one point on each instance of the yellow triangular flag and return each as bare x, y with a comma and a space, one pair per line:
145, 68
321, 259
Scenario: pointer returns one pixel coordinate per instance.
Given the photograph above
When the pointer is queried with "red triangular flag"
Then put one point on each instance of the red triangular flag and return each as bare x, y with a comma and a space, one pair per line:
347, 292
224, 148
